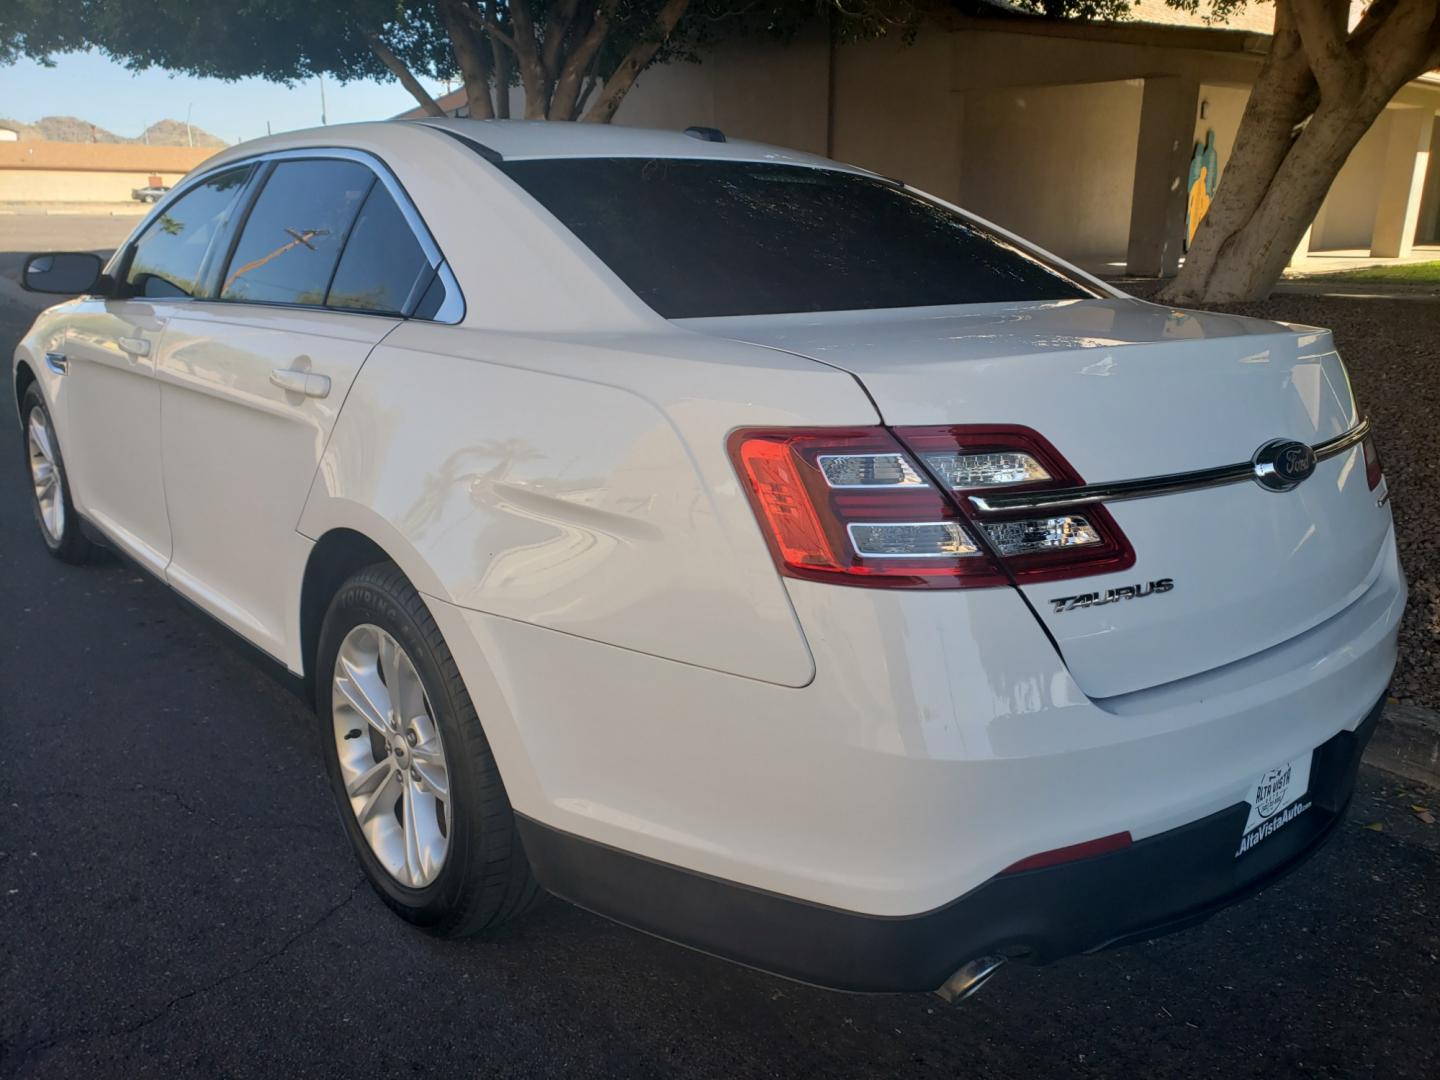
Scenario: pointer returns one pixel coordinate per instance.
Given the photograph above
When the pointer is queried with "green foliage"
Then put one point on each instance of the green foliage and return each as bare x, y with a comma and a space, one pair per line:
1421, 273
288, 40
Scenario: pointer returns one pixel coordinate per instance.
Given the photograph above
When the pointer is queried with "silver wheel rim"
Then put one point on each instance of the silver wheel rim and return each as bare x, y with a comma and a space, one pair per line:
45, 474
391, 758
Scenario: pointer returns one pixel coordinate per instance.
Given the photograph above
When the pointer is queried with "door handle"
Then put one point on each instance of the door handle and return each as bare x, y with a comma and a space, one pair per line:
301, 382
135, 346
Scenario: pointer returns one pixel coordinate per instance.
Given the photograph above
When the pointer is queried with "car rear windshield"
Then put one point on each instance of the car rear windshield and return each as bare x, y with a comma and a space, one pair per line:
708, 238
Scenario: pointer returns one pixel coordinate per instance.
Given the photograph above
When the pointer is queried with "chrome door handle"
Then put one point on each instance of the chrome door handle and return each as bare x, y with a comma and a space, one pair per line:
57, 362
135, 346
301, 382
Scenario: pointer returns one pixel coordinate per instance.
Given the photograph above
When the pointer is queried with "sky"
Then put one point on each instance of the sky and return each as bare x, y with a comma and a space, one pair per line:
93, 88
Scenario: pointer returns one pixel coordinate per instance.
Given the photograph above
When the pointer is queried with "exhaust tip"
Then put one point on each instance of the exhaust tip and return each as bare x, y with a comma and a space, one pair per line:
969, 978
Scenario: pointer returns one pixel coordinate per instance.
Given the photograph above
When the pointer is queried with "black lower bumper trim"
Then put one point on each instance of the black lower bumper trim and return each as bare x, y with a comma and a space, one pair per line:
1157, 885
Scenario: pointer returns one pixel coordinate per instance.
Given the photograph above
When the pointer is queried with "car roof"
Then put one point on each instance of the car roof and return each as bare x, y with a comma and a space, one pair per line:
525, 140
530, 140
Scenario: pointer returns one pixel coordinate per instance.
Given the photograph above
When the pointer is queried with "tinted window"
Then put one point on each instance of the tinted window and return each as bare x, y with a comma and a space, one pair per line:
696, 238
293, 237
169, 255
383, 263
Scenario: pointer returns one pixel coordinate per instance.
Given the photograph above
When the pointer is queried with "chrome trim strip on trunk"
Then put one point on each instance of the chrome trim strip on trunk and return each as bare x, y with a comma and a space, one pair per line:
1150, 486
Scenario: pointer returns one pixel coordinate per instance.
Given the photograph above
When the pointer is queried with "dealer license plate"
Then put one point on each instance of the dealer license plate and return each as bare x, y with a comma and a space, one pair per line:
1276, 799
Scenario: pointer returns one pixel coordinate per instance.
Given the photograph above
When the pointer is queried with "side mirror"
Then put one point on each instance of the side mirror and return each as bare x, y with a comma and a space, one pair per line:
69, 273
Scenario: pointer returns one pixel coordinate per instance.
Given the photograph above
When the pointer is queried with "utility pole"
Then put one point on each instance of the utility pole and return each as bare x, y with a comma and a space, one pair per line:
189, 134
323, 121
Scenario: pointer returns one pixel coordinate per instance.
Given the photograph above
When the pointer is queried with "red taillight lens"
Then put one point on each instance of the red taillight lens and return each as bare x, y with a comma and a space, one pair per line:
1374, 471
866, 506
851, 506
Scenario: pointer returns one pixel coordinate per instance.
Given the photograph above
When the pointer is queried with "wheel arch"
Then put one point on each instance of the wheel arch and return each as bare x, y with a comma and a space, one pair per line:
352, 540
24, 376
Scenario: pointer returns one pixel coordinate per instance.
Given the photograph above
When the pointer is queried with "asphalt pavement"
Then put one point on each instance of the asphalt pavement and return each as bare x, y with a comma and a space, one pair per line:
177, 899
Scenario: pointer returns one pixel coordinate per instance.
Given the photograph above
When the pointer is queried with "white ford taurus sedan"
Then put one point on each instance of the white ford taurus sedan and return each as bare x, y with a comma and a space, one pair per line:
739, 544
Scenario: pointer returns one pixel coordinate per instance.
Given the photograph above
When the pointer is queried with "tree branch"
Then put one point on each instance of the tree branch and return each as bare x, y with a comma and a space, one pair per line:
491, 28
405, 75
532, 73
502, 56
566, 99
556, 28
635, 61
1402, 45
1322, 28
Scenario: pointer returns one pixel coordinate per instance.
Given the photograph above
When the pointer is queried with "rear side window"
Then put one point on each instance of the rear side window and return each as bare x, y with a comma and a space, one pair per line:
383, 266
170, 254
704, 238
291, 242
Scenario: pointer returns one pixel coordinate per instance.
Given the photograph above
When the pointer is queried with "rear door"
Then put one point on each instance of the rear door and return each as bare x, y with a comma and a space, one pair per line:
252, 379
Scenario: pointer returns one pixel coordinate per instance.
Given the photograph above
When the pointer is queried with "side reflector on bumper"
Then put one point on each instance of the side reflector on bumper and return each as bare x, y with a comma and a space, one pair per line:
1088, 850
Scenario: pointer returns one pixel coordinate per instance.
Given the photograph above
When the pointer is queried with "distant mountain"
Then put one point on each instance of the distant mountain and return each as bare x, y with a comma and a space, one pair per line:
172, 133
72, 129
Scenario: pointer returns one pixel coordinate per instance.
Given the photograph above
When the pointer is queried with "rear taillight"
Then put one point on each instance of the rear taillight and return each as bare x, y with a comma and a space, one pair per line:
852, 506
868, 506
1374, 471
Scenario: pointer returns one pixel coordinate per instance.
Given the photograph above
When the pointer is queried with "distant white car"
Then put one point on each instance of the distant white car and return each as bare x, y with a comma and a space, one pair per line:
151, 193
739, 544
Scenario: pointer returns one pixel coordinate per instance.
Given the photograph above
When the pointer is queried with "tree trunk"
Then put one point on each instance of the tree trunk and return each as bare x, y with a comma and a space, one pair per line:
501, 65
1282, 97
469, 57
527, 61
571, 76
1336, 86
1254, 258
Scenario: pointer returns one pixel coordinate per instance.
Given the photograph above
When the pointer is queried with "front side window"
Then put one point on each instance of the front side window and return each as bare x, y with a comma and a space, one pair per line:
291, 242
701, 238
383, 265
169, 256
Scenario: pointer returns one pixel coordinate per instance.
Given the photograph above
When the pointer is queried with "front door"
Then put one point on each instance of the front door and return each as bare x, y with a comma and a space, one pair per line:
111, 398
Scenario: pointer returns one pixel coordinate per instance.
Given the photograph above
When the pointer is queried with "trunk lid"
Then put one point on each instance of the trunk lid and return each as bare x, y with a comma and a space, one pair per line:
1124, 390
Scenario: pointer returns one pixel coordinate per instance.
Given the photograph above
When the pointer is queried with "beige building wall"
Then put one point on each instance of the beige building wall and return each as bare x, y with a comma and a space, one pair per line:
997, 123
752, 89
59, 185
896, 112
1223, 107
1428, 231
1347, 218
1055, 163
1039, 130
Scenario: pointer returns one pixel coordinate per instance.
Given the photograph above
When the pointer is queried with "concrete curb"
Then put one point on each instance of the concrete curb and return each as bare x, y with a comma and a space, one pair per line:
1407, 742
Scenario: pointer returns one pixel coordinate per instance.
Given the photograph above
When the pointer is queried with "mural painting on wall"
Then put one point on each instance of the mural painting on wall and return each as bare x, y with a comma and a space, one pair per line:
1204, 175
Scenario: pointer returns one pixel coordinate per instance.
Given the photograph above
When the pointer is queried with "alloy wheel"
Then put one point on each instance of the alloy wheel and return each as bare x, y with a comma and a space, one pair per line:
45, 474
391, 756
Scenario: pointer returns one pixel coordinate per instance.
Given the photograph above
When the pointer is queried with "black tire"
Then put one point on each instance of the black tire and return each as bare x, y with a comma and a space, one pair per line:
485, 879
72, 545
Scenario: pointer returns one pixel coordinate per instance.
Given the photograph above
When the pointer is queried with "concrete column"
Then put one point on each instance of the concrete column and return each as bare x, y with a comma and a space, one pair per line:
1397, 209
1162, 165
1302, 249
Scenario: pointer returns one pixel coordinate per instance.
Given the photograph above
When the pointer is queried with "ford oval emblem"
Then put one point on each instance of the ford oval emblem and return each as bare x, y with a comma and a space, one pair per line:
1282, 464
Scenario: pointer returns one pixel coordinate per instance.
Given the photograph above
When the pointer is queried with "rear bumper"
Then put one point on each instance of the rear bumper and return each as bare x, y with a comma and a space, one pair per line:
1160, 884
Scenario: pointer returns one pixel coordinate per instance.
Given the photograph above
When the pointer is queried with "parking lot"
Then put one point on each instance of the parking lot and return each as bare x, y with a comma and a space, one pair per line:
177, 897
